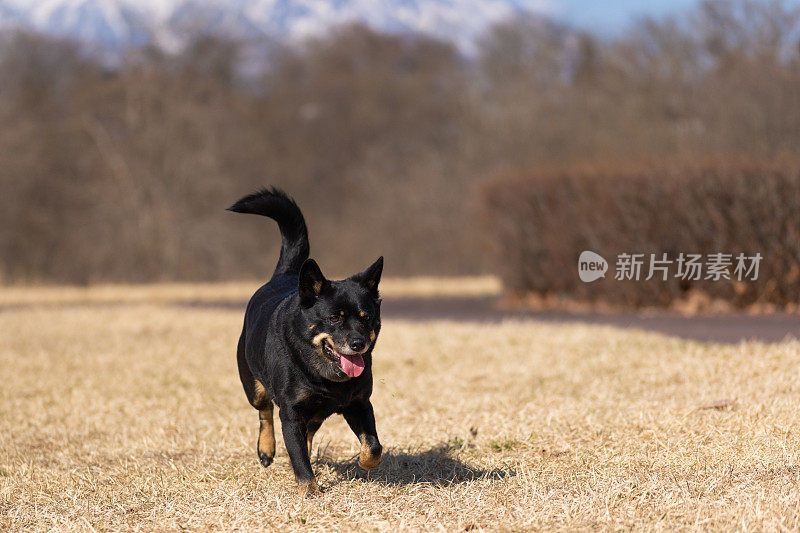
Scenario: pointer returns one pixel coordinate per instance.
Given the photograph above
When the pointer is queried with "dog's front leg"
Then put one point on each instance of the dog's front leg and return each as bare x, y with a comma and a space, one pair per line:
361, 420
294, 436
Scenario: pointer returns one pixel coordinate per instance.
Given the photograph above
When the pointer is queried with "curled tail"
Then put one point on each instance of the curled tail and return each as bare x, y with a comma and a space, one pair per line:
277, 205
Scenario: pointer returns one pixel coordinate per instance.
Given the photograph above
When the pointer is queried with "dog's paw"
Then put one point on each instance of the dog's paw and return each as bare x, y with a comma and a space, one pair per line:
307, 489
265, 459
369, 460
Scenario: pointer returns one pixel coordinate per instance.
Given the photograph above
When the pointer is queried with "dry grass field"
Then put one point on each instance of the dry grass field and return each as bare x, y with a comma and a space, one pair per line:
130, 416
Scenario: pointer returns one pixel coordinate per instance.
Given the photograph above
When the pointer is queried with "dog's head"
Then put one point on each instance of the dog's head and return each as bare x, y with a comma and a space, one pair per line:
340, 319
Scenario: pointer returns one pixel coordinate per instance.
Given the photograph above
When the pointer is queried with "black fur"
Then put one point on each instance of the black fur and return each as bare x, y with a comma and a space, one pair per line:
304, 340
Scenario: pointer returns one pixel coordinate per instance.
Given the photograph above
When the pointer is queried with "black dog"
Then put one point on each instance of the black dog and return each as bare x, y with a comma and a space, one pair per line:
307, 345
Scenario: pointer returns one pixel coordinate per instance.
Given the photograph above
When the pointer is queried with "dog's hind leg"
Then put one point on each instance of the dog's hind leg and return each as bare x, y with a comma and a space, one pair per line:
266, 426
266, 435
259, 397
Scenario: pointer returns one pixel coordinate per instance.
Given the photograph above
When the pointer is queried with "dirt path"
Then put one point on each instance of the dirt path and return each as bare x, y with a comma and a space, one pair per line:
724, 328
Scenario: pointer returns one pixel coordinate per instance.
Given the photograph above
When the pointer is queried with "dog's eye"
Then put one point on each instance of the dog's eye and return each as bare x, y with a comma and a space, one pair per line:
366, 316
335, 318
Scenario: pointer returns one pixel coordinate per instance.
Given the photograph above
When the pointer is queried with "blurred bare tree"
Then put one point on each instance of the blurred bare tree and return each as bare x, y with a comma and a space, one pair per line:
123, 173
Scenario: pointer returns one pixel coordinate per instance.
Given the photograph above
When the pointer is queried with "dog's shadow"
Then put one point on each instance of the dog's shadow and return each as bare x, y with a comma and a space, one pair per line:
438, 465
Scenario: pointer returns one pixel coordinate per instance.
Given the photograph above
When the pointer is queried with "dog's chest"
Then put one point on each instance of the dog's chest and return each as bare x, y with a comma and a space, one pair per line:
327, 400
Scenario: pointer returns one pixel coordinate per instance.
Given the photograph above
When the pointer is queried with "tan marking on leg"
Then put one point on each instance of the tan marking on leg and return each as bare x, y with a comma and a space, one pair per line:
310, 441
307, 488
266, 433
366, 460
260, 393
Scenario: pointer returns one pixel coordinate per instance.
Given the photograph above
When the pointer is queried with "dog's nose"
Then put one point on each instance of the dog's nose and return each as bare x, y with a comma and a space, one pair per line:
357, 343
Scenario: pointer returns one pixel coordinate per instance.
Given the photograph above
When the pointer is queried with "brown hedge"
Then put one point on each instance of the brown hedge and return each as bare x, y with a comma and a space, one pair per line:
540, 223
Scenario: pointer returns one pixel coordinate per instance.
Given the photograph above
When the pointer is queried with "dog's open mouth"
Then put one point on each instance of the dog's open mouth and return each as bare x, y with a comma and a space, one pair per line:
352, 365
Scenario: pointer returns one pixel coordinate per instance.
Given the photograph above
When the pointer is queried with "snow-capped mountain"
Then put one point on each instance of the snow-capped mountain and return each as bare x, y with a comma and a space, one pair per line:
121, 23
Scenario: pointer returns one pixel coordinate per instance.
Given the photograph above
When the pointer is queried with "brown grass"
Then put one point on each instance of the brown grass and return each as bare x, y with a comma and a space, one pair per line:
131, 417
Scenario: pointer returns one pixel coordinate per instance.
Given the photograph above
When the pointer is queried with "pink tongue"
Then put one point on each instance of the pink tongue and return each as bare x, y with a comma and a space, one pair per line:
353, 365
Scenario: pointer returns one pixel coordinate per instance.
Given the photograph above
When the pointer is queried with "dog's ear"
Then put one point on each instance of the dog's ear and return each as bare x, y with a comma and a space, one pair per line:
311, 283
371, 276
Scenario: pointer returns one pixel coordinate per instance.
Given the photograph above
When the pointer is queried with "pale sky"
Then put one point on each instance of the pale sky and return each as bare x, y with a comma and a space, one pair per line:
607, 16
